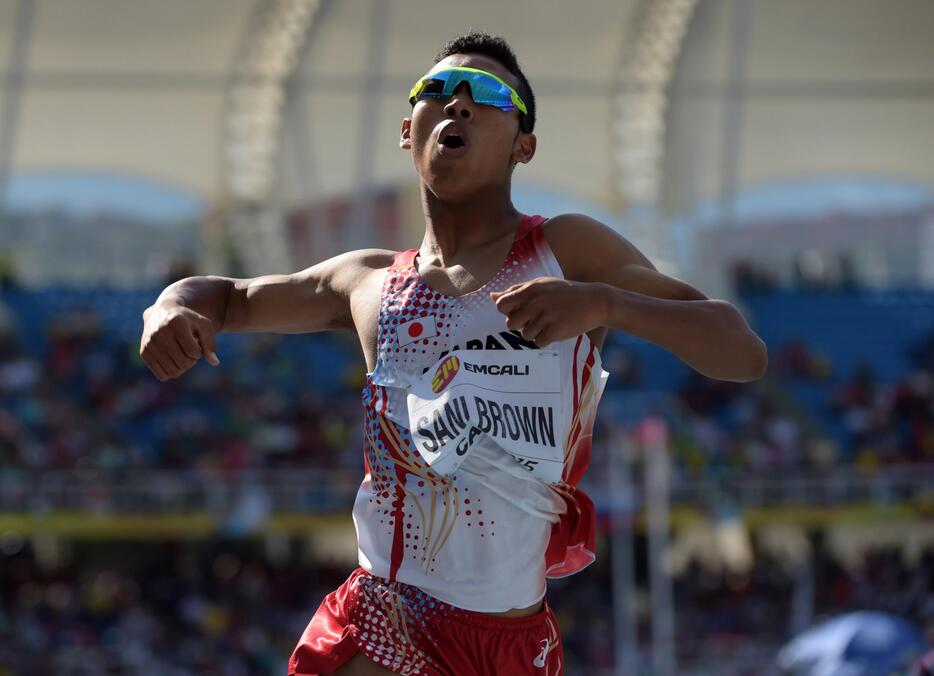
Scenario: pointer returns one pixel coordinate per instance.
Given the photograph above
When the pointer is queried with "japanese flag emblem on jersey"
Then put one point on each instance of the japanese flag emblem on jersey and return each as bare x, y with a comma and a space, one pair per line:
417, 329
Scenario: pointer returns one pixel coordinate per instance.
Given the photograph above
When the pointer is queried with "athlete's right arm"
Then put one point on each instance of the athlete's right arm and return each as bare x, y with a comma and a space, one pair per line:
180, 326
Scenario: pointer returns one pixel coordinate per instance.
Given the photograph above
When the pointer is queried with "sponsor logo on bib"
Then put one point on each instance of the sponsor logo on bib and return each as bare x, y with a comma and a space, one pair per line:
498, 369
445, 374
510, 399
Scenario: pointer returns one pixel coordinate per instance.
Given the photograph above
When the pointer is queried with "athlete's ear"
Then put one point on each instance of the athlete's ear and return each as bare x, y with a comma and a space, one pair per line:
405, 141
524, 147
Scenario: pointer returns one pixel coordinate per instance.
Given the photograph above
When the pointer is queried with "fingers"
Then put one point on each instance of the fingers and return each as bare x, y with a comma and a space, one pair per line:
188, 345
534, 328
509, 288
167, 363
166, 367
174, 362
518, 318
522, 309
157, 368
531, 319
205, 334
508, 300
148, 353
174, 346
184, 360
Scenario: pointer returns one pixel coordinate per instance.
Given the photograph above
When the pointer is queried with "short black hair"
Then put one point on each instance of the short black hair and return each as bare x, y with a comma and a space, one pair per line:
477, 42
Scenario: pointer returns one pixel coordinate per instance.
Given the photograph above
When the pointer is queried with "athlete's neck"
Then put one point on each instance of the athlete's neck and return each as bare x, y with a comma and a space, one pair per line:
454, 227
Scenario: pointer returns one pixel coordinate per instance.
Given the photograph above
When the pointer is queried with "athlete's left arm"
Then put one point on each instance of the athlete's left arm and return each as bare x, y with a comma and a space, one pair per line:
609, 282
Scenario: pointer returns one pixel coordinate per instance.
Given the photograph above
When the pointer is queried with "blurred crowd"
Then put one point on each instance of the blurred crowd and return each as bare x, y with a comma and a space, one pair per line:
86, 402
731, 428
234, 608
170, 608
809, 270
889, 423
882, 422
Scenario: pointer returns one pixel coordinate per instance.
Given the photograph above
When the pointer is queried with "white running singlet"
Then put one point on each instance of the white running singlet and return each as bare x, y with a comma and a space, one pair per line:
475, 441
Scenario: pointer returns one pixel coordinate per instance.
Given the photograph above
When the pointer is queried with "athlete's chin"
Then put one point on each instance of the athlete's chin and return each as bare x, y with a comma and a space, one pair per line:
453, 186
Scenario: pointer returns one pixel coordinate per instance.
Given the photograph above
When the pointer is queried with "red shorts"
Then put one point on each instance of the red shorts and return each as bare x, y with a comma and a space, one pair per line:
413, 634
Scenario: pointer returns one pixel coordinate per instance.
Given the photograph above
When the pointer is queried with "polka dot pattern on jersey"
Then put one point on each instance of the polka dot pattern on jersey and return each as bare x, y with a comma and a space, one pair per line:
392, 621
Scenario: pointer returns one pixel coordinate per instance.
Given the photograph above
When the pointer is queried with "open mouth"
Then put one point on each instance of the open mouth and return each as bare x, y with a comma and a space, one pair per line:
452, 141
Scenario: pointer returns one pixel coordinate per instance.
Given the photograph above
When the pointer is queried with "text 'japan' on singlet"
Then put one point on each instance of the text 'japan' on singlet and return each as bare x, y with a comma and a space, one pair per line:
475, 441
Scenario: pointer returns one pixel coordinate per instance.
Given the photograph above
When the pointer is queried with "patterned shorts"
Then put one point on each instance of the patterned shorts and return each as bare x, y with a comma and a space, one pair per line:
413, 634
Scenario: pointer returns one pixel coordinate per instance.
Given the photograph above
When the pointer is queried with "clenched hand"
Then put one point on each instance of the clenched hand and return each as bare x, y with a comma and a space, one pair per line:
174, 338
547, 309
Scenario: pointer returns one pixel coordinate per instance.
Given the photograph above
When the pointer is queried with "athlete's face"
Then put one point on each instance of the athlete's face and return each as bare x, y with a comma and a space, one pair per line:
492, 141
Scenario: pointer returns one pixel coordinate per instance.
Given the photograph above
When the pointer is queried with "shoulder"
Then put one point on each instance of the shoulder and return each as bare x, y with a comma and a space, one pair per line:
350, 270
590, 251
369, 259
581, 243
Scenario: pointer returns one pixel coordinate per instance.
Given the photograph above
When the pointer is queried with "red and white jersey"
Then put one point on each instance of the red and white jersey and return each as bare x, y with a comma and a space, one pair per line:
475, 441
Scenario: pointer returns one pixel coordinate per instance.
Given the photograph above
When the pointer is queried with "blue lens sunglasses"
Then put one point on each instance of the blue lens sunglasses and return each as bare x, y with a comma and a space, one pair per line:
485, 88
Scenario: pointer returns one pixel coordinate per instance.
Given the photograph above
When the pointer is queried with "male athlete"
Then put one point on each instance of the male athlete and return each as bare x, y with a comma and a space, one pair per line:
482, 350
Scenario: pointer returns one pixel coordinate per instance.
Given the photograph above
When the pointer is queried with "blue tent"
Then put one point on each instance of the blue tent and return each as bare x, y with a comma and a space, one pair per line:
862, 643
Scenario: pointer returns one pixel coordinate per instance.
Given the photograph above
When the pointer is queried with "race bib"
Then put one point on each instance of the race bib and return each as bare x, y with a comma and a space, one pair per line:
512, 397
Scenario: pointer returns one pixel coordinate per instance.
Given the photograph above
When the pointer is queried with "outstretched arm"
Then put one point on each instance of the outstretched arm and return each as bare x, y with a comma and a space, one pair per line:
180, 326
608, 282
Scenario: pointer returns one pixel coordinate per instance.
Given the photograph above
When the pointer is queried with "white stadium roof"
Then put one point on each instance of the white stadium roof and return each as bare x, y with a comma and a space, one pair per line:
818, 89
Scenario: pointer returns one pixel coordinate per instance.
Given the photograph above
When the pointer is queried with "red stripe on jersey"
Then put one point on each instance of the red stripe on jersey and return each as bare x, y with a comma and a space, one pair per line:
575, 402
588, 367
573, 471
398, 516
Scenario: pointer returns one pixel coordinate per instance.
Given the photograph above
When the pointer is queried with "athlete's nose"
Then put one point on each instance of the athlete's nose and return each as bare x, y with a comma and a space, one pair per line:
461, 102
